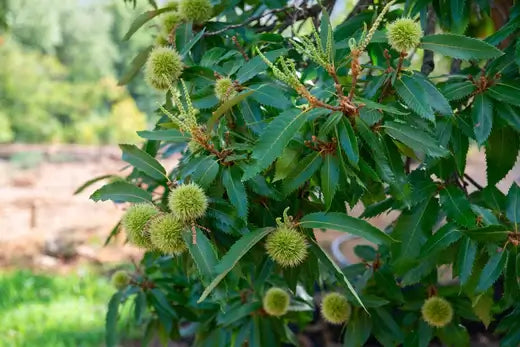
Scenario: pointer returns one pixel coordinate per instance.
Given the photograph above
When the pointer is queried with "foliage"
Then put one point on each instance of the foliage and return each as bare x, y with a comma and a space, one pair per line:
54, 90
323, 119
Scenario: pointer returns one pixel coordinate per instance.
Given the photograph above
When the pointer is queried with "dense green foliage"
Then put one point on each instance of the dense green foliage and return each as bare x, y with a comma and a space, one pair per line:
320, 120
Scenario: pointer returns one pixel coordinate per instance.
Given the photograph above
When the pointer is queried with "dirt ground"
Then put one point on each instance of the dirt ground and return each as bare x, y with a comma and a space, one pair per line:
44, 226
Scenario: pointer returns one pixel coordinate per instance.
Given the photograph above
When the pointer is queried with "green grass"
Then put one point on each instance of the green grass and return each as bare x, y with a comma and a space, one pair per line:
52, 310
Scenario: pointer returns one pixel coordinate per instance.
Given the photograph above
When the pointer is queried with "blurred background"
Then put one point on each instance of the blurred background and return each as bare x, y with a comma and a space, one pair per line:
62, 115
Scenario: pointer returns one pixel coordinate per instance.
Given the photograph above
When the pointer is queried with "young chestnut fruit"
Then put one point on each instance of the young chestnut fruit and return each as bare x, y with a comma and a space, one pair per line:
197, 11
166, 234
335, 308
437, 311
188, 202
286, 246
276, 302
134, 222
404, 34
164, 66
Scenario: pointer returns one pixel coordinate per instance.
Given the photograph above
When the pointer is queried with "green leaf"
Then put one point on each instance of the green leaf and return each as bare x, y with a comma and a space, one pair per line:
332, 119
168, 135
270, 95
413, 229
460, 47
140, 20
505, 92
482, 305
205, 172
509, 114
202, 253
121, 192
257, 65
91, 182
342, 222
233, 256
331, 265
435, 99
226, 106
161, 302
135, 65
348, 141
186, 49
302, 172
460, 145
372, 105
284, 164
482, 114
111, 319
235, 189
143, 162
492, 271
489, 234
444, 237
415, 139
358, 329
459, 17
513, 204
457, 207
501, 153
329, 178
274, 139
458, 90
414, 96
465, 259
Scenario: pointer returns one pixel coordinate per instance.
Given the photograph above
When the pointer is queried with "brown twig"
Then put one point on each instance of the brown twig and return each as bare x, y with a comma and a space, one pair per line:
240, 48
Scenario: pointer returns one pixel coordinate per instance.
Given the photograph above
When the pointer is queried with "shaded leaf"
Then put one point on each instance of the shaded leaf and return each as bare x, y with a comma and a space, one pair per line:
457, 207
501, 153
329, 178
231, 258
274, 139
235, 189
465, 259
492, 271
482, 114
415, 139
444, 237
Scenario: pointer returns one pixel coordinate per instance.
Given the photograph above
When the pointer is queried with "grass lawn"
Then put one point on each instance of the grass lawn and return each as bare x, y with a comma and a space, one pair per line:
52, 310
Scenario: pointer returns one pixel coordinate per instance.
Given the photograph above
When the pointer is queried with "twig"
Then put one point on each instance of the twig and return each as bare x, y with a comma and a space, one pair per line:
250, 20
428, 64
472, 181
